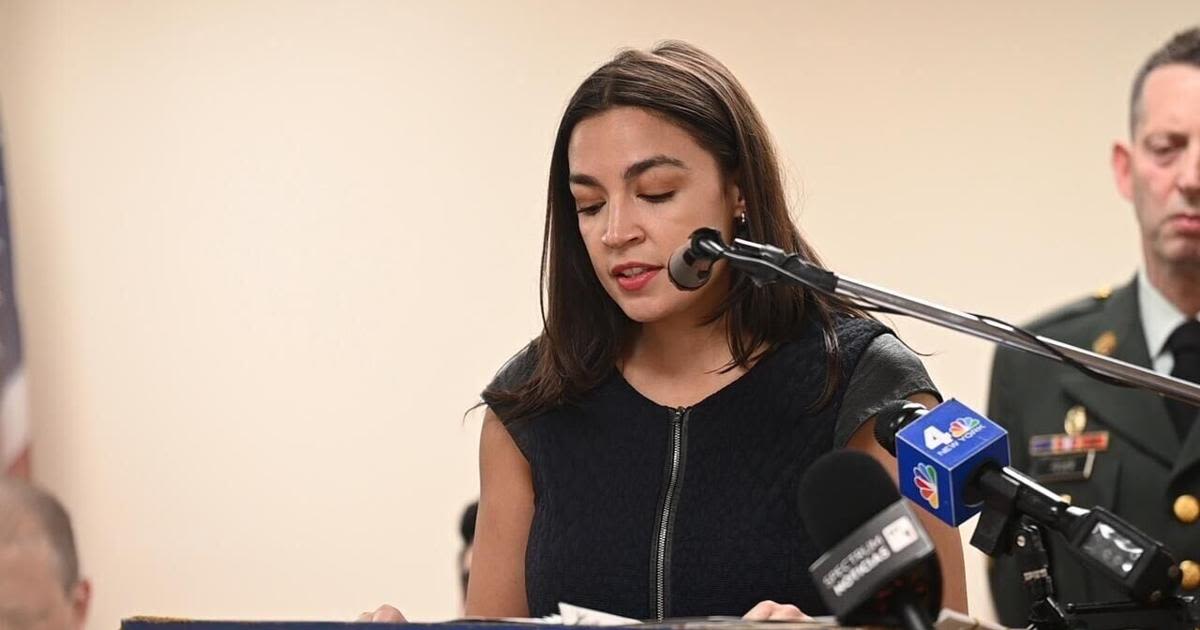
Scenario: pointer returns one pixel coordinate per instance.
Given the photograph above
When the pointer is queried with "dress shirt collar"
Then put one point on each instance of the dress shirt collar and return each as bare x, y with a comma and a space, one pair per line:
1160, 317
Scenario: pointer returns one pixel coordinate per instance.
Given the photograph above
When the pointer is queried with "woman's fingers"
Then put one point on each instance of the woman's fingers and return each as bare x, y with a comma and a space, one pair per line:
774, 611
383, 614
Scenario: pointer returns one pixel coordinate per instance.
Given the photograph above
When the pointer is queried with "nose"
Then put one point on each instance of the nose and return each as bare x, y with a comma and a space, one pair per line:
622, 228
1189, 175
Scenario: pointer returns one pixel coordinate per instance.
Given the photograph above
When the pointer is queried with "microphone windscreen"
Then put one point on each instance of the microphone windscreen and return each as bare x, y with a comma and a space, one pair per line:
841, 491
685, 271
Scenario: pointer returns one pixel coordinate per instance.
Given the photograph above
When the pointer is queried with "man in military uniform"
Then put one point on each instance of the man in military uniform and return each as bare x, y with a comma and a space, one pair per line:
1101, 445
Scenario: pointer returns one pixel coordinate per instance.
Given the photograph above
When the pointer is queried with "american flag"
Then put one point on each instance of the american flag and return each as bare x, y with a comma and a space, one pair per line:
14, 418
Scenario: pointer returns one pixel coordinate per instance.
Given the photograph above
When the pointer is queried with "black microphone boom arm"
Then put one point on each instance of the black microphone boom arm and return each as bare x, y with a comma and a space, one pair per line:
766, 264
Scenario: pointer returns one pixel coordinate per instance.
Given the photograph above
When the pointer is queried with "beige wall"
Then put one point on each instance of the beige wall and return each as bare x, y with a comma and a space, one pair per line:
268, 252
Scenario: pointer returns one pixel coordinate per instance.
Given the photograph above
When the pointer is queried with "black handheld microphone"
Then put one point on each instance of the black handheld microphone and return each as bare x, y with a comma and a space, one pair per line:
690, 266
885, 570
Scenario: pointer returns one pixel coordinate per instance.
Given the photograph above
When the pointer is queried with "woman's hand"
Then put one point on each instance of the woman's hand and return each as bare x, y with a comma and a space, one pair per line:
383, 614
773, 611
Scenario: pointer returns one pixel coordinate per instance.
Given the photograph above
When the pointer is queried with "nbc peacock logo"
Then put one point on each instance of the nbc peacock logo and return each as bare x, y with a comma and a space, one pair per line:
926, 479
960, 427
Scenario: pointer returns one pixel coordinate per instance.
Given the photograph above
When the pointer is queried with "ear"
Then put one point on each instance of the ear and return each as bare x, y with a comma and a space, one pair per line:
735, 198
81, 601
1122, 167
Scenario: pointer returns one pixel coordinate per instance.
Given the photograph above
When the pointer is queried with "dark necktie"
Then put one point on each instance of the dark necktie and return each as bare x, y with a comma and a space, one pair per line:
1184, 344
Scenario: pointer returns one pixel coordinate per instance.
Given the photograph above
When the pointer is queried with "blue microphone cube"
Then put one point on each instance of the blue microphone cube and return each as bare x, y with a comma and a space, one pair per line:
939, 452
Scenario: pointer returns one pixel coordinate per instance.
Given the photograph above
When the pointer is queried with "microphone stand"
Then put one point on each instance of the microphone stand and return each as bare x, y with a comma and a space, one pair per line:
997, 532
766, 264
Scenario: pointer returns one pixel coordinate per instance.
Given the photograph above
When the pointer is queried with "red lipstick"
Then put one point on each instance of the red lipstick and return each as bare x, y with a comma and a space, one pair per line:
633, 276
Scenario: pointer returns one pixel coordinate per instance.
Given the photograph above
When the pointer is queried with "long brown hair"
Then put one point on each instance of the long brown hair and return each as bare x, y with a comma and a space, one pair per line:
584, 330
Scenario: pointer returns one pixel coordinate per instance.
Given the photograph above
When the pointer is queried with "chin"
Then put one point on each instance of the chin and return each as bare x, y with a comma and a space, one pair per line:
644, 314
1190, 262
1182, 252
646, 309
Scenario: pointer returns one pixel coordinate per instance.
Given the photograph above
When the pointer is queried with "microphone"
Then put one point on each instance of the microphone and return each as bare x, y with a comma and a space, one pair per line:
938, 451
885, 571
690, 266
953, 462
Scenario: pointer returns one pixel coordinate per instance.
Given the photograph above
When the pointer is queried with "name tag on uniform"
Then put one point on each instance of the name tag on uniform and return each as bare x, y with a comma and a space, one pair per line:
1075, 467
1064, 444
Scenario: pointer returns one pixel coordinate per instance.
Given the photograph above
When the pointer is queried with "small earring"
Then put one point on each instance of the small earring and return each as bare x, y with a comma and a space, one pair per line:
741, 227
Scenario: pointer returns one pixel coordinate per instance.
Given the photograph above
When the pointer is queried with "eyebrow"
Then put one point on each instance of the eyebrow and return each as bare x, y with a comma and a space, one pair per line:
635, 169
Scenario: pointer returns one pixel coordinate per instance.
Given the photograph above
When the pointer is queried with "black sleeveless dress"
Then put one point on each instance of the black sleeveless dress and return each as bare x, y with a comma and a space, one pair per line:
650, 512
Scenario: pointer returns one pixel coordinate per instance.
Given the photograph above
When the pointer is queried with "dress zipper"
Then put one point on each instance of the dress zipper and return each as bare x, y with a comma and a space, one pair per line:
678, 419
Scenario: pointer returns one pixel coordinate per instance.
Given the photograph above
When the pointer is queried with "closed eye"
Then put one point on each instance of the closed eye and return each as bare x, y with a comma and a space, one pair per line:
1164, 150
1163, 146
589, 210
659, 198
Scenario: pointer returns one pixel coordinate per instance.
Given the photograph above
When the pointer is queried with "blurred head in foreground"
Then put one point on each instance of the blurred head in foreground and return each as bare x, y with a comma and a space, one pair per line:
40, 586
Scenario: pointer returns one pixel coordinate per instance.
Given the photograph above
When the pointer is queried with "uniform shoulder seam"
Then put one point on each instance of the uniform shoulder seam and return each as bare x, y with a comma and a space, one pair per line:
1072, 310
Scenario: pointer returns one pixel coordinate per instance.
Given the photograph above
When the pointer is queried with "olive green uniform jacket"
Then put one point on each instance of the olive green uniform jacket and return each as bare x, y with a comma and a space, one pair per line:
1141, 474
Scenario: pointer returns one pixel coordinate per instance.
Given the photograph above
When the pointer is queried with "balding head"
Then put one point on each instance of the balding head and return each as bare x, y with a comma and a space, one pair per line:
29, 514
1182, 49
40, 587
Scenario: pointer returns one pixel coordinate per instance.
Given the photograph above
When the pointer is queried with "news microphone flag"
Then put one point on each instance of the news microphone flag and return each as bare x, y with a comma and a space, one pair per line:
939, 452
